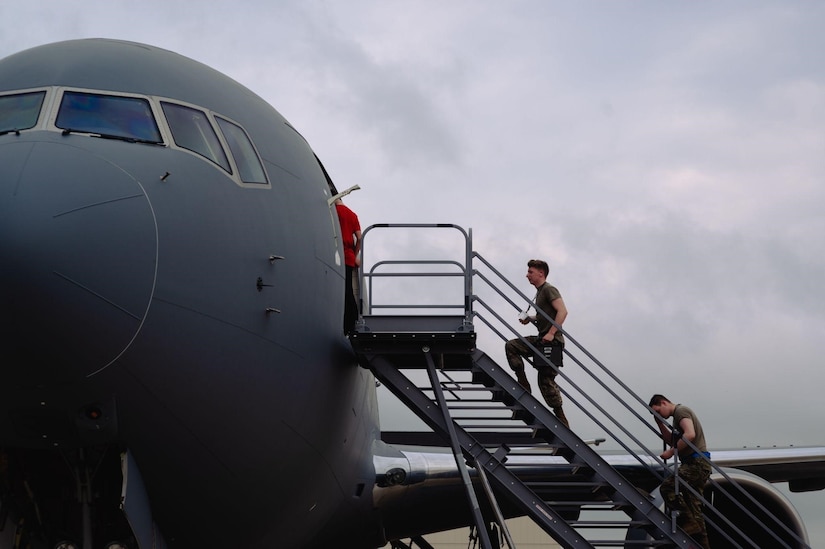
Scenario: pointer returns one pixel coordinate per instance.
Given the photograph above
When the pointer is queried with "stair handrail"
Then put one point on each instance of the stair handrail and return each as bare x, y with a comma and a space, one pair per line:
464, 268
468, 272
654, 456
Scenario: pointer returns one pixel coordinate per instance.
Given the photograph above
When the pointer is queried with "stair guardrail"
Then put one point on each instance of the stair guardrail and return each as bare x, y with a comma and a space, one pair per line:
599, 375
709, 508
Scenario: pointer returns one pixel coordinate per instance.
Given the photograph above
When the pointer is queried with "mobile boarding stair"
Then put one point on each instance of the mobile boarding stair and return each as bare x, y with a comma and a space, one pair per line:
495, 427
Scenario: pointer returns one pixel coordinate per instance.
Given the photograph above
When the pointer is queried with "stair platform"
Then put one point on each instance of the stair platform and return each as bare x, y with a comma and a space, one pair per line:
403, 334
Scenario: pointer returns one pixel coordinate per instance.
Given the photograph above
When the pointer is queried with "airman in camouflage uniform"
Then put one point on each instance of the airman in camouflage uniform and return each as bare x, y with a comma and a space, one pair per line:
550, 340
694, 471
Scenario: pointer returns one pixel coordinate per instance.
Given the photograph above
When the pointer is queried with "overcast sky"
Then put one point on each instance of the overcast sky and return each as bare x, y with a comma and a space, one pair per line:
666, 159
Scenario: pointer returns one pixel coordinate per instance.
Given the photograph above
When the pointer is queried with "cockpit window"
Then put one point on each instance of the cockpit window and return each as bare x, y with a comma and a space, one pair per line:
20, 110
109, 116
249, 165
191, 130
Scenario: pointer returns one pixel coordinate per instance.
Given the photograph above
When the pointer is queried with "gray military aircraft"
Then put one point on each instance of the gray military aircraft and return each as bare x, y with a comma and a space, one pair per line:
175, 370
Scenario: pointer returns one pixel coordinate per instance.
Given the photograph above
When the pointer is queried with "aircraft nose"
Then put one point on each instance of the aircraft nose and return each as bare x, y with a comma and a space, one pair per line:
78, 248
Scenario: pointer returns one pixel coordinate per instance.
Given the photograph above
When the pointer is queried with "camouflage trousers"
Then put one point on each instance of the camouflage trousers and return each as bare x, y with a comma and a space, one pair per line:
695, 473
515, 349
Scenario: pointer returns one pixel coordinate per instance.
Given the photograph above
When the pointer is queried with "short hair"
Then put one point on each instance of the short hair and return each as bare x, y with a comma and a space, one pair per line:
657, 399
540, 265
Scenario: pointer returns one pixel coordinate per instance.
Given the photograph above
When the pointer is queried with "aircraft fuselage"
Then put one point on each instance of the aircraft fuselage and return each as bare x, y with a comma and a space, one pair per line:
164, 300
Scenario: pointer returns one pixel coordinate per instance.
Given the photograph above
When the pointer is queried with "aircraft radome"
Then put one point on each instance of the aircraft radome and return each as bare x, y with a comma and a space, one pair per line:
175, 372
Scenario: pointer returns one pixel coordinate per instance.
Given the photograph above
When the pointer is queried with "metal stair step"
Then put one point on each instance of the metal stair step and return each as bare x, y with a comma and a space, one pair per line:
556, 499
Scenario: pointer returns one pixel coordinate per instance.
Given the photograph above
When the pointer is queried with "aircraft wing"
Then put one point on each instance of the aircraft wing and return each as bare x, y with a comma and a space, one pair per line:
803, 468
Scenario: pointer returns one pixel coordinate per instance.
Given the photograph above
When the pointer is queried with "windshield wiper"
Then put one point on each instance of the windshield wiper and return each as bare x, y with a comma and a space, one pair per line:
126, 138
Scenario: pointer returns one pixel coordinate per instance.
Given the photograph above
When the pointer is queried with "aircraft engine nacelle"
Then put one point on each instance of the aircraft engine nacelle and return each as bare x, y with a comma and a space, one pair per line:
759, 527
769, 497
